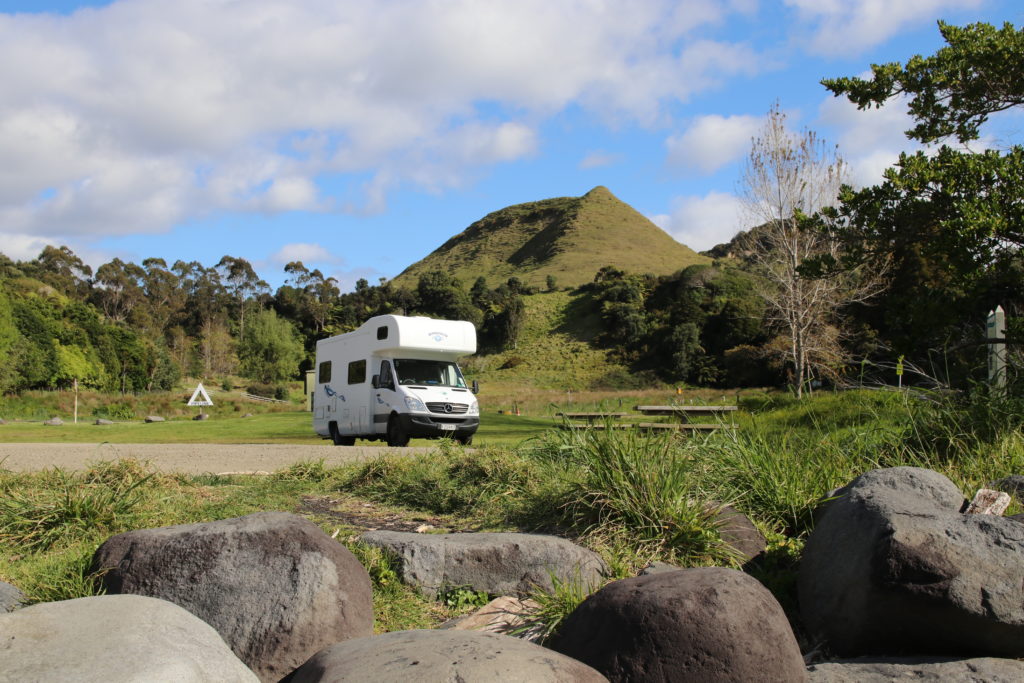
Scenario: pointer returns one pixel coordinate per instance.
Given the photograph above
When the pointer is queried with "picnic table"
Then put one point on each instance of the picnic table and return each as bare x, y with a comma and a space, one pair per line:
684, 412
590, 417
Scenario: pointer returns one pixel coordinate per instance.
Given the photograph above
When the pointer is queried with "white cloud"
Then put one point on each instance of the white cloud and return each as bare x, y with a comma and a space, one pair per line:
848, 27
134, 116
712, 141
305, 252
598, 159
702, 222
870, 140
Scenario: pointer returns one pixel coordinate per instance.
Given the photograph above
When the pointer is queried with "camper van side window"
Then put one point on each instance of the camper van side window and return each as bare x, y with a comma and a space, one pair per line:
382, 332
386, 381
325, 372
357, 372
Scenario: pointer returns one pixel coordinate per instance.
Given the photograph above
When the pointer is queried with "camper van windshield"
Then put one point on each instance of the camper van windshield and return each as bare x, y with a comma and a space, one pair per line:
429, 372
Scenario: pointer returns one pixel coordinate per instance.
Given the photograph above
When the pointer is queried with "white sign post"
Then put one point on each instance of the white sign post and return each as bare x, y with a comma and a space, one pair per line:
996, 333
200, 398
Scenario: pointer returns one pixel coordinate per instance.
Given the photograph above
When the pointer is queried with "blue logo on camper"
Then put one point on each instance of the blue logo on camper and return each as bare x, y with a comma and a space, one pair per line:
438, 336
332, 392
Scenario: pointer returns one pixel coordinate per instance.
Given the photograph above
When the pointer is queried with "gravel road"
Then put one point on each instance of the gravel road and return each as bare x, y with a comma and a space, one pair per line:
189, 458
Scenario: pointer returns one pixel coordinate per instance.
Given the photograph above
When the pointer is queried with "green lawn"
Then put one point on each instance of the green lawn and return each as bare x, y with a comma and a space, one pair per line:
285, 428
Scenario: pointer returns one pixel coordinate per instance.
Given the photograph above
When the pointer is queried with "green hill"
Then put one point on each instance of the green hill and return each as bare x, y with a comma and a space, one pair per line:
570, 238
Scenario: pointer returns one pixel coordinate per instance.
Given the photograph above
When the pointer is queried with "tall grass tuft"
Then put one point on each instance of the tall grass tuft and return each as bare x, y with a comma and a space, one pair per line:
37, 518
647, 488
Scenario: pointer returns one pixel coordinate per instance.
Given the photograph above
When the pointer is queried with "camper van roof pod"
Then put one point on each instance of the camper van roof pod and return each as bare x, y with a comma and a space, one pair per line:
419, 335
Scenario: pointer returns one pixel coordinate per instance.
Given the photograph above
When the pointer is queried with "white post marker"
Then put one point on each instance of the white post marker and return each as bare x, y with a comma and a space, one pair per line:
200, 398
996, 333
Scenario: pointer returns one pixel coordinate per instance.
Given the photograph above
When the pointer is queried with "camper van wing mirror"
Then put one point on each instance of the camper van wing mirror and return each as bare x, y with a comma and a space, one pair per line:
476, 387
375, 381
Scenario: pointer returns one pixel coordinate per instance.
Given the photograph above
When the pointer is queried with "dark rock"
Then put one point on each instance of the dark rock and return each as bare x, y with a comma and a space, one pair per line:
447, 655
154, 418
709, 624
53, 422
883, 670
201, 416
738, 531
655, 567
1013, 484
10, 597
498, 564
275, 586
114, 638
101, 421
893, 567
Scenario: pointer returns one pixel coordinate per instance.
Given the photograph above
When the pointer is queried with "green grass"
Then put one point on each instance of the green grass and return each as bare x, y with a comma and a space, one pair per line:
283, 428
628, 495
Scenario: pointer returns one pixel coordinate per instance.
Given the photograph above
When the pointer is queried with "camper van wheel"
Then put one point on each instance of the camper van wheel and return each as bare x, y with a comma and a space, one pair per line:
340, 440
396, 436
465, 440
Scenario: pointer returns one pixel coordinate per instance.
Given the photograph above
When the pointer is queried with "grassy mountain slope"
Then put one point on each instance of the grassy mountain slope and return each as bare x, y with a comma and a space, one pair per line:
570, 238
554, 350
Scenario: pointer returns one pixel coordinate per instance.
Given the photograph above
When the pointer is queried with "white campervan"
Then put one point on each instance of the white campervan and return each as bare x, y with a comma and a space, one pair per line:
394, 378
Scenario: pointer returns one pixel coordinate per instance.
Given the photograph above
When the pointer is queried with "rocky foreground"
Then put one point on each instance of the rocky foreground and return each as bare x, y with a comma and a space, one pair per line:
897, 579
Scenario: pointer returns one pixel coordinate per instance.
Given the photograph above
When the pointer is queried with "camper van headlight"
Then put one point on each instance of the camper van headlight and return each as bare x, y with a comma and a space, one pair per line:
474, 408
415, 405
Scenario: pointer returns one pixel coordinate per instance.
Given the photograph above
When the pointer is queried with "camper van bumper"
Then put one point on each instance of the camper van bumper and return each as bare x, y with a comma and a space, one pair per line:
423, 425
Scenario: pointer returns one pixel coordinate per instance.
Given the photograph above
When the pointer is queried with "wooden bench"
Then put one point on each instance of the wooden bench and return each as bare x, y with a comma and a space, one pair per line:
653, 426
590, 417
684, 412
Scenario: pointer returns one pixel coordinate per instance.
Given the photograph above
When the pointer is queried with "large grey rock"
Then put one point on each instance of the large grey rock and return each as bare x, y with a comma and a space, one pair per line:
464, 656
53, 422
883, 670
893, 566
498, 564
102, 421
708, 624
114, 638
155, 418
10, 597
275, 586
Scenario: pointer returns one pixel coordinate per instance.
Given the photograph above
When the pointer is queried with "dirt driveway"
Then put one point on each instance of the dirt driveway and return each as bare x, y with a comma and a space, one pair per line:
186, 458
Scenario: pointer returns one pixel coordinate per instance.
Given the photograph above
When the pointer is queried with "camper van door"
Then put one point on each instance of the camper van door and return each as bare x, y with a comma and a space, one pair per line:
385, 397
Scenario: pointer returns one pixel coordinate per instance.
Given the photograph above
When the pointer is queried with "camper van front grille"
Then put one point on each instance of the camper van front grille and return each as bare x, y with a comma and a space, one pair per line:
448, 408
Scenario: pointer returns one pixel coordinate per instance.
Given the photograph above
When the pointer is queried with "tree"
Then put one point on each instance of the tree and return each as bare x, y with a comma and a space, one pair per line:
953, 92
270, 351
243, 283
788, 178
951, 221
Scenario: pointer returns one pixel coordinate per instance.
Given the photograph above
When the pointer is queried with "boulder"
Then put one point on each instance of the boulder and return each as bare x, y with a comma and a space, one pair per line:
893, 566
53, 422
883, 670
154, 418
707, 624
405, 656
495, 563
202, 416
738, 531
1013, 485
658, 567
101, 421
276, 587
3, 421
114, 638
10, 597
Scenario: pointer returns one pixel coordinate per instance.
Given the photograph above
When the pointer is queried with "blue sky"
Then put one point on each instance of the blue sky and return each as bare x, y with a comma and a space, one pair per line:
358, 135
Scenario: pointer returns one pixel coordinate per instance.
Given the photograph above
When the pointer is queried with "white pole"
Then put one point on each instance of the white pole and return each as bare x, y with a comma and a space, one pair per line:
996, 330
76, 400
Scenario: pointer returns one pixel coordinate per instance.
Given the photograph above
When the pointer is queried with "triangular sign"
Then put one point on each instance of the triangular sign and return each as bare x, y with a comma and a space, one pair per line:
200, 397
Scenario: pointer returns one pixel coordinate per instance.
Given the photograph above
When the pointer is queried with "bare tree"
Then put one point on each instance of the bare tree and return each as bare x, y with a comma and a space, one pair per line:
787, 179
